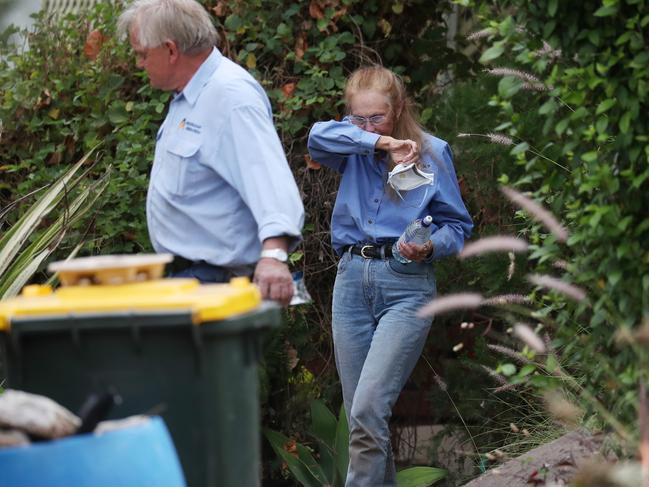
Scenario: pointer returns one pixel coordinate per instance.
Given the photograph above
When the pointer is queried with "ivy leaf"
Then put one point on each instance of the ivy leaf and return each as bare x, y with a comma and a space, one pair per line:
519, 148
605, 105
507, 369
426, 114
509, 86
606, 11
625, 122
117, 115
527, 369
492, 53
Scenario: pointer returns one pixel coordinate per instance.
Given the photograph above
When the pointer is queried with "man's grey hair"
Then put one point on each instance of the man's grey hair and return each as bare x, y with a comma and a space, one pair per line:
186, 22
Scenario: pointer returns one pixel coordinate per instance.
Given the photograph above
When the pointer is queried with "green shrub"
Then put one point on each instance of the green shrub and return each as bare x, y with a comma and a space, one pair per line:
586, 68
57, 101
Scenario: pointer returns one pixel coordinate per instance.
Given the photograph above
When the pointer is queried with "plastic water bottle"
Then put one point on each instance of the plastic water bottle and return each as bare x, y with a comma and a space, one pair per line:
417, 232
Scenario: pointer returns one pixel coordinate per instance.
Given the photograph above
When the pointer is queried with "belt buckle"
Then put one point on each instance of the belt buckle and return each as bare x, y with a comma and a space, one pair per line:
363, 248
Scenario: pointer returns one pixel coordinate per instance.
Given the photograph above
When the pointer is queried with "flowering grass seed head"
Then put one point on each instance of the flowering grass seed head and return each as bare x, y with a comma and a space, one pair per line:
529, 337
505, 299
537, 212
498, 243
451, 302
552, 283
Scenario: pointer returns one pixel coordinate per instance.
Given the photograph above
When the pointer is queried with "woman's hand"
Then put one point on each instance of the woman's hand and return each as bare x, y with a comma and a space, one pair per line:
416, 252
401, 151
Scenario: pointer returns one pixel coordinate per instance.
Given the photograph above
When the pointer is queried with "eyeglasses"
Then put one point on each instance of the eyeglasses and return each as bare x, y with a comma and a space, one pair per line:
361, 121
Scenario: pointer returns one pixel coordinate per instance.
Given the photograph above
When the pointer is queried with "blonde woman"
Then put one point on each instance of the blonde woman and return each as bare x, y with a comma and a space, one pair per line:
377, 336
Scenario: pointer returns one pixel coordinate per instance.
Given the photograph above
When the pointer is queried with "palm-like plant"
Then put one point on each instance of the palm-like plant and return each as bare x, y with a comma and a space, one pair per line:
23, 248
329, 467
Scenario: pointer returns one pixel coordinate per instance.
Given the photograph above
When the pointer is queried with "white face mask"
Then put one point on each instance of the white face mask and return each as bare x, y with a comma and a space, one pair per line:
407, 177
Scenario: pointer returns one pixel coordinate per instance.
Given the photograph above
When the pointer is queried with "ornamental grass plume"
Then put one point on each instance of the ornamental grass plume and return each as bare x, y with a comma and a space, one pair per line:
511, 353
501, 139
561, 408
643, 423
505, 388
440, 383
530, 82
500, 379
641, 335
537, 212
505, 299
529, 337
560, 264
511, 268
547, 51
450, 303
498, 243
481, 34
549, 282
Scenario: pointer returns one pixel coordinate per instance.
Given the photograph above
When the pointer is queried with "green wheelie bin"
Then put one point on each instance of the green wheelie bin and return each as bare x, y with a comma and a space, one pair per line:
173, 347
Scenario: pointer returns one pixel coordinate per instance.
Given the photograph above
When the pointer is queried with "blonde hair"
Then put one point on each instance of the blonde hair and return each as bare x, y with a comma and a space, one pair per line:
382, 80
186, 22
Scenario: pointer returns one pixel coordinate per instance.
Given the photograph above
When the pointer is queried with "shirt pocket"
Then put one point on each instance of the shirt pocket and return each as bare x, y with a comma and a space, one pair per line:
180, 158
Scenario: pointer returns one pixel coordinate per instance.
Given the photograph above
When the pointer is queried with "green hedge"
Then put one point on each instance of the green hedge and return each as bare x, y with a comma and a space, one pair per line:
591, 66
72, 88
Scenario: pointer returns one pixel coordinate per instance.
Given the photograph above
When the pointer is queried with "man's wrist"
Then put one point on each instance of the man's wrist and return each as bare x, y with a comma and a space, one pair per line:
278, 254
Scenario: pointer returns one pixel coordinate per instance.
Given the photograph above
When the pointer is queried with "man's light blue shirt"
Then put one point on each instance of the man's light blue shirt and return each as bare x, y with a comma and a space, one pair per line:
366, 212
220, 183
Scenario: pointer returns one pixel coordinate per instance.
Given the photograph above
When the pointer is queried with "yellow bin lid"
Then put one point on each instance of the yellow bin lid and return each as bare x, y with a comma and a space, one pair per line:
204, 302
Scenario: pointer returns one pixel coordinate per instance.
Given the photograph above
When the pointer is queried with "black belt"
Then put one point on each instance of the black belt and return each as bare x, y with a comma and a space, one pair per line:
371, 251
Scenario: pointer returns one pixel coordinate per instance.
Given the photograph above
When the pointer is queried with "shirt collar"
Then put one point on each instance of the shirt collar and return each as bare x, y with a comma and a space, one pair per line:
202, 76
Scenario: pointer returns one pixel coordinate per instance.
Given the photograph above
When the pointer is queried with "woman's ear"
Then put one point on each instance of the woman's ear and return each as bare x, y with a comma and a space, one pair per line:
399, 110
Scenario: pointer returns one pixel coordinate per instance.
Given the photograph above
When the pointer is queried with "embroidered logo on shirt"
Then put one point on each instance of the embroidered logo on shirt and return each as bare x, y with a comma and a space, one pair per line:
190, 126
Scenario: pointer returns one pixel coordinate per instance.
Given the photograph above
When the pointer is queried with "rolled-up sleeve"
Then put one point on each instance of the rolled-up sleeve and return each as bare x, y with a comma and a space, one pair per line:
255, 164
452, 219
331, 142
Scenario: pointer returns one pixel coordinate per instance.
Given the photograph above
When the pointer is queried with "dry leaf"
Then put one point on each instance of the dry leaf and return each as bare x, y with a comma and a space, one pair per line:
310, 163
300, 45
385, 26
220, 8
291, 447
288, 90
55, 159
291, 355
315, 10
93, 44
251, 61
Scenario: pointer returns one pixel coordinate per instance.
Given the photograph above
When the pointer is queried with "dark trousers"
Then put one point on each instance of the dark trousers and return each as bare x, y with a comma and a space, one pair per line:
204, 272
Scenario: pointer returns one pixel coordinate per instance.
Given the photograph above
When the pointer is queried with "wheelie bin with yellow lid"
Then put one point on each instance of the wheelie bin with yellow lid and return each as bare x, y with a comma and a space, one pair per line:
173, 347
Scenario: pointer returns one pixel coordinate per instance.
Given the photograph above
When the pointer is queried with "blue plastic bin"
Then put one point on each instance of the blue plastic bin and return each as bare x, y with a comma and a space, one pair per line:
137, 456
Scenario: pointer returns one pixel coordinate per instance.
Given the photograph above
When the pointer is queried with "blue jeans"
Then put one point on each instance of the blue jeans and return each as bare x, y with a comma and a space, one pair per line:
377, 341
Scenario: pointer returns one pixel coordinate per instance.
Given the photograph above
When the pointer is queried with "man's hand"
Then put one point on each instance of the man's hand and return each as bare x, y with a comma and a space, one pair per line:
401, 151
415, 252
274, 280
